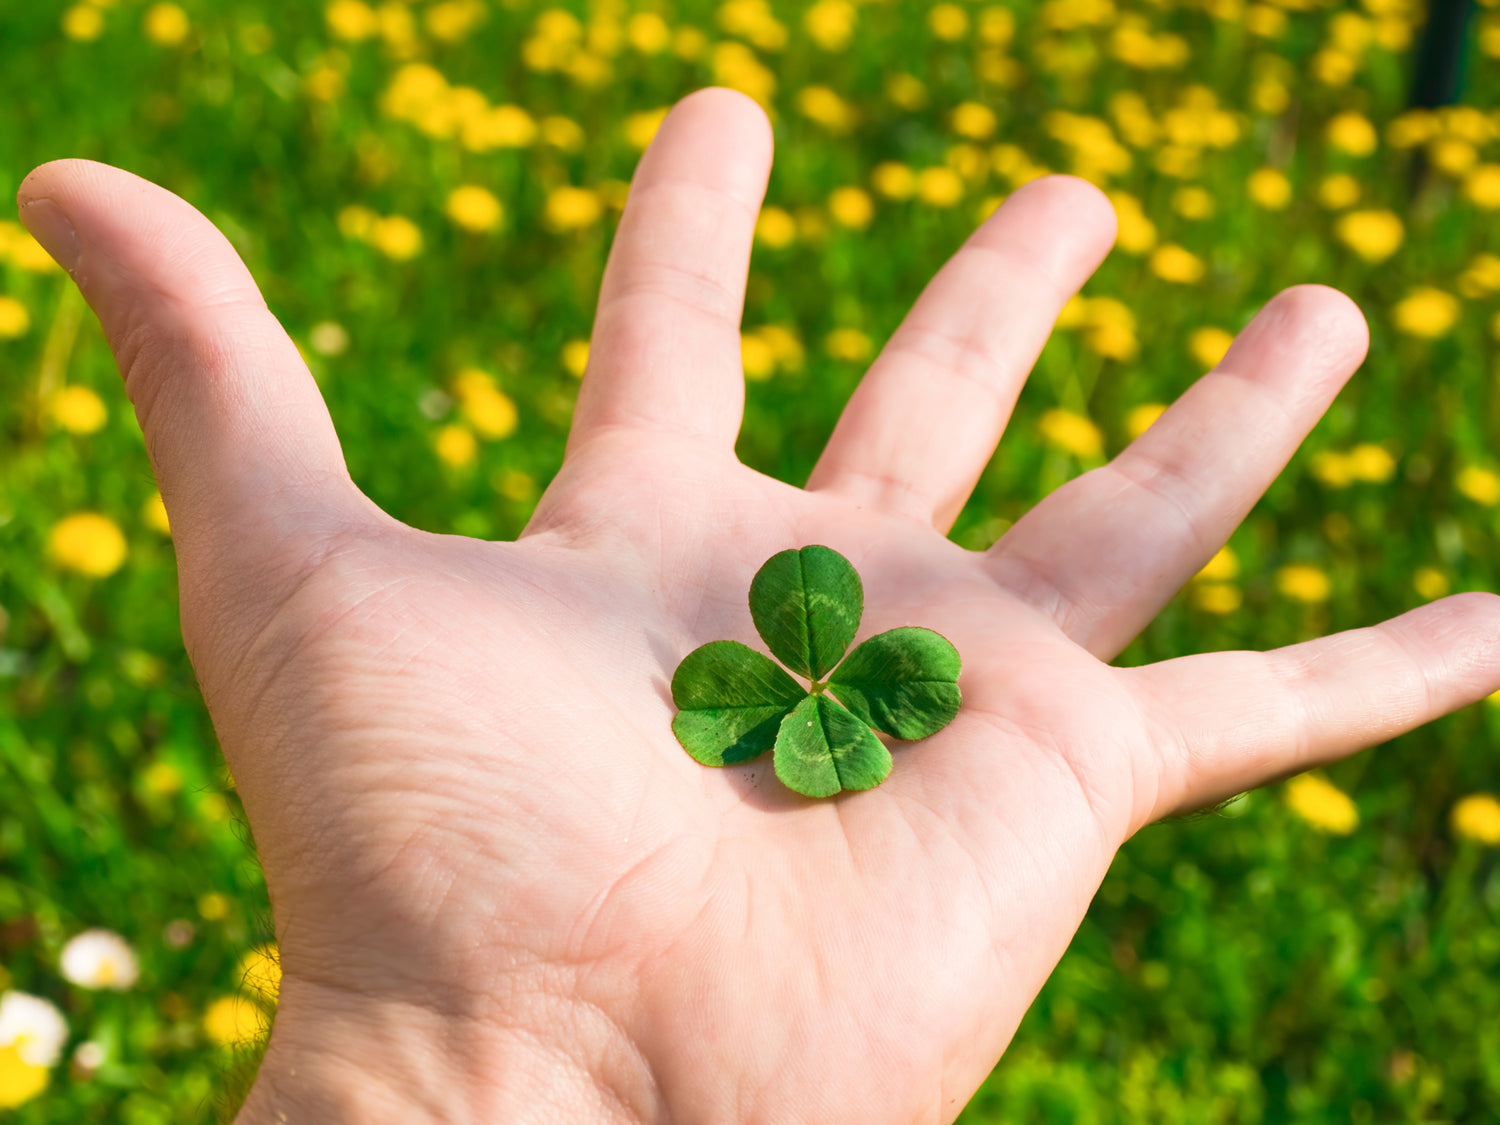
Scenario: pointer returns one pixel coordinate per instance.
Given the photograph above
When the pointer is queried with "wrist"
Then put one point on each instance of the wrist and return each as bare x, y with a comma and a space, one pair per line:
336, 1059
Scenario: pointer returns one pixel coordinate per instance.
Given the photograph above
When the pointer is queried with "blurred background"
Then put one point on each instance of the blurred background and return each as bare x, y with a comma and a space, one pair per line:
426, 191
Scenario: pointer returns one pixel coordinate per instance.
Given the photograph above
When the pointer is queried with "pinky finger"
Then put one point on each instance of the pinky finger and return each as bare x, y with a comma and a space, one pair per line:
1229, 721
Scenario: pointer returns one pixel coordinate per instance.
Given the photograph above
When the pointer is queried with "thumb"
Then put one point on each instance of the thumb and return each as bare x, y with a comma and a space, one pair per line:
239, 437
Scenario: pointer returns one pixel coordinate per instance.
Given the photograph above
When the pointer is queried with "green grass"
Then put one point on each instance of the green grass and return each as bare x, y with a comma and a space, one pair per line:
1239, 966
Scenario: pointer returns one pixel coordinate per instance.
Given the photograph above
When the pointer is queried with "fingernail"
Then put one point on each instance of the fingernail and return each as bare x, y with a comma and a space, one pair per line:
49, 224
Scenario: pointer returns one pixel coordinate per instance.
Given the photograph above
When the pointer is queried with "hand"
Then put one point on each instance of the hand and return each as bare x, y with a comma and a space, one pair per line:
502, 891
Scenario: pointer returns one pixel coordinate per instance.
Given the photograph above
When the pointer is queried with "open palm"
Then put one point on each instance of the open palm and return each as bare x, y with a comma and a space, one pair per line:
502, 890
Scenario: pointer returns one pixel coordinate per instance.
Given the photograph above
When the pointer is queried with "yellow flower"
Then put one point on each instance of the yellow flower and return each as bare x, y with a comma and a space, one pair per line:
1430, 583
851, 207
640, 128
784, 345
1074, 312
775, 228
1452, 155
456, 447
997, 26
562, 133
1427, 312
1208, 345
1135, 234
516, 485
474, 208
689, 43
820, 104
1371, 463
1110, 328
1193, 203
451, 20
1481, 277
88, 543
32, 1035
1324, 806
1412, 128
830, 23
1332, 468
1303, 583
504, 126
1480, 485
756, 358
27, 253
166, 24
161, 779
1333, 67
259, 973
1338, 191
1269, 188
1217, 597
1175, 264
154, 515
575, 357
572, 208
1265, 21
396, 236
351, 19
1482, 186
849, 344
1373, 235
1223, 567
939, 187
893, 180
1352, 133
82, 22
736, 66
948, 21
15, 321
906, 91
1477, 818
233, 1021
77, 410
648, 33
485, 406
1072, 433
1141, 417
973, 120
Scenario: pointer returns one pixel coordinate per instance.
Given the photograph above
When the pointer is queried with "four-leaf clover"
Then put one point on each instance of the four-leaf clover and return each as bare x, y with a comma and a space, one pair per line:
734, 704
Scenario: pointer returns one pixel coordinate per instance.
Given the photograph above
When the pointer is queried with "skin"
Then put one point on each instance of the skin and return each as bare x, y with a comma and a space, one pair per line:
502, 891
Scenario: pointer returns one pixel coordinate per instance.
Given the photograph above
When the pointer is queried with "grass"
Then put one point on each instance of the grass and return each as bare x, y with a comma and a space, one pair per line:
1280, 959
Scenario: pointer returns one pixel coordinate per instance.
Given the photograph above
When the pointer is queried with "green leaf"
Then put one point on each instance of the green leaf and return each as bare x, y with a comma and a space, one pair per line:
821, 749
730, 702
903, 682
807, 604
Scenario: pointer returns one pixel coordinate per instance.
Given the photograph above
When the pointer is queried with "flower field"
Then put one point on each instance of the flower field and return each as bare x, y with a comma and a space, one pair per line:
425, 190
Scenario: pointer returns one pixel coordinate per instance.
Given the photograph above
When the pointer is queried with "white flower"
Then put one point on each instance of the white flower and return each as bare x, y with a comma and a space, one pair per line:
100, 959
34, 1027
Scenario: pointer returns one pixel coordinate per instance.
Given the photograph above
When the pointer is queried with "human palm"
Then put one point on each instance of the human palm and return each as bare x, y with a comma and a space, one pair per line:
499, 883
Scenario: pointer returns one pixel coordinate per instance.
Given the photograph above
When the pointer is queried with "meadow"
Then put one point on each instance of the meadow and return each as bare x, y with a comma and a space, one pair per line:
425, 190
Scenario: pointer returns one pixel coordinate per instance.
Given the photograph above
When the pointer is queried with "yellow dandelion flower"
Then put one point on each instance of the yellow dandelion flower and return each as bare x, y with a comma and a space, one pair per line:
562, 133
154, 515
456, 446
575, 357
395, 236
1427, 312
948, 22
784, 345
1265, 21
736, 66
1338, 191
1134, 233
452, 20
1270, 96
1452, 156
516, 485
1072, 433
27, 253
398, 28
213, 906
1208, 345
15, 321
1219, 598
486, 408
1477, 818
894, 180
1480, 485
1303, 583
1333, 67
1481, 277
1269, 188
939, 187
1351, 133
166, 24
88, 543
233, 1021
351, 20
259, 973
1223, 567
640, 128
775, 228
824, 106
77, 409
1371, 463
504, 126
1193, 203
689, 43
1349, 31
1482, 186
1110, 328
324, 84
1412, 128
1142, 417
1074, 312
1430, 583
830, 23
1324, 806
161, 779
1175, 264
973, 120
906, 91
851, 207
572, 208
1373, 235
996, 26
757, 360
648, 33
1466, 122
474, 208
83, 22
848, 344
1332, 469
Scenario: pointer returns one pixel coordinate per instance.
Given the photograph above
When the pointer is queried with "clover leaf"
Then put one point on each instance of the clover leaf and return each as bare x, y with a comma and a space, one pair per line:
734, 704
